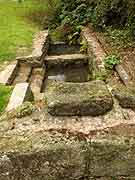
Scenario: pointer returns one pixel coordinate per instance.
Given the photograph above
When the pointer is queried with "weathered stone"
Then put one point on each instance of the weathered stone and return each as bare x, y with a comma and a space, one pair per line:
94, 47
54, 156
51, 157
40, 41
34, 61
40, 49
112, 156
7, 76
60, 48
90, 98
125, 96
23, 75
67, 59
21, 93
123, 74
36, 81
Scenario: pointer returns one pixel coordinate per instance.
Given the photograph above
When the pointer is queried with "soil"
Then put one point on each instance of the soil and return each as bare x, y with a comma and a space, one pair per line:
127, 55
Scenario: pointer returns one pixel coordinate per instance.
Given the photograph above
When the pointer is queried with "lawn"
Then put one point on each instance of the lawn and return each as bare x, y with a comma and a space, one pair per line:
16, 33
5, 93
16, 30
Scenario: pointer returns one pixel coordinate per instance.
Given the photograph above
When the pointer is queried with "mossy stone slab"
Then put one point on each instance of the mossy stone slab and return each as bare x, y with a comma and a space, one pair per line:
71, 99
125, 96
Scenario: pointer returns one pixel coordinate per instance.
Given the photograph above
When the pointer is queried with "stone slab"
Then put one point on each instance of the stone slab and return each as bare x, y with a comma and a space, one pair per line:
67, 59
94, 47
123, 74
59, 48
7, 76
57, 156
90, 98
125, 96
39, 42
34, 61
36, 80
23, 74
40, 49
21, 93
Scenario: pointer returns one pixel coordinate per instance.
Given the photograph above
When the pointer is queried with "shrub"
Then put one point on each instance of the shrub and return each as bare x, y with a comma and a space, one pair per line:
111, 61
117, 13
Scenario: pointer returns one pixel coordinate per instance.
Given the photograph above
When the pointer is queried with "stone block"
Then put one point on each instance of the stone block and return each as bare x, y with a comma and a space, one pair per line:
21, 94
125, 96
7, 76
69, 99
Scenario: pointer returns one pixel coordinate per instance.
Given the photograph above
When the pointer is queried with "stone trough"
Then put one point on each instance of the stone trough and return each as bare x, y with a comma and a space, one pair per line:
81, 132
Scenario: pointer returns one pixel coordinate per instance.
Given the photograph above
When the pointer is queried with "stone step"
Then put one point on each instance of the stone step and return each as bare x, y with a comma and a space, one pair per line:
73, 99
67, 59
36, 81
21, 93
59, 48
7, 76
23, 74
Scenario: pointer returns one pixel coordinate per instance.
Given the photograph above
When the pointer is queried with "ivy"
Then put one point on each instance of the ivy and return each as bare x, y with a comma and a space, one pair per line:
116, 13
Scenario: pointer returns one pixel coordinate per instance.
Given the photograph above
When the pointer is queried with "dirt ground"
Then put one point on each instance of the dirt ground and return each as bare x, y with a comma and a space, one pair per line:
127, 55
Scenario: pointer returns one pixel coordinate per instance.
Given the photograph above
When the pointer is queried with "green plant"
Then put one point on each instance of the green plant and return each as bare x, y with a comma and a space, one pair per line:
111, 61
102, 75
84, 47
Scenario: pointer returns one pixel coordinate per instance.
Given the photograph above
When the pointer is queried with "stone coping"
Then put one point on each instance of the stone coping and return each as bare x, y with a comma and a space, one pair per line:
20, 94
7, 76
40, 48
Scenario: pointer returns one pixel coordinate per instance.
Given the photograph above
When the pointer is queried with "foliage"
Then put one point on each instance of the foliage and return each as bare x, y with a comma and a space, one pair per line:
115, 13
84, 47
119, 38
45, 12
5, 93
103, 75
111, 61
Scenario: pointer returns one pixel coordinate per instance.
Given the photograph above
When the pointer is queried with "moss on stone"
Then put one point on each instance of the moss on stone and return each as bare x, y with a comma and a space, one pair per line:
125, 96
92, 98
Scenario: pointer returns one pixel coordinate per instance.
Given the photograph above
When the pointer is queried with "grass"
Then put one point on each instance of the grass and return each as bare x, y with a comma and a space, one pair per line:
5, 93
16, 31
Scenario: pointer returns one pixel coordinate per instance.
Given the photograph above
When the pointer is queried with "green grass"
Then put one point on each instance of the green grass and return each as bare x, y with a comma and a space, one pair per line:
16, 31
5, 93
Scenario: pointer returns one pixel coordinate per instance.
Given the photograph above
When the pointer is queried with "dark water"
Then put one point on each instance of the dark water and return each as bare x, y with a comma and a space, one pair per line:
70, 73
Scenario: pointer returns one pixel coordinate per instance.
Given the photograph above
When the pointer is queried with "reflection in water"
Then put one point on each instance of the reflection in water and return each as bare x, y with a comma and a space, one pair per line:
69, 73
57, 77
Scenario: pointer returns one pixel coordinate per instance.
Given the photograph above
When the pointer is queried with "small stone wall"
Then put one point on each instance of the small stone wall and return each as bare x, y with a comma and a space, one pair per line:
98, 54
54, 156
7, 76
40, 49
